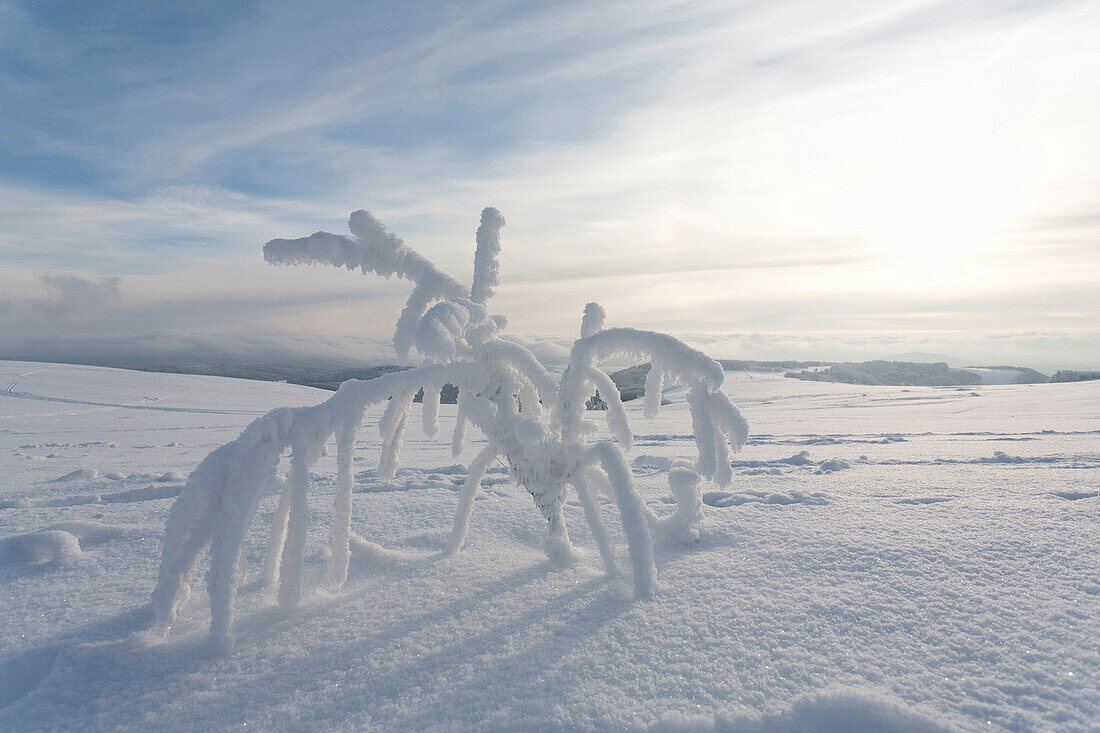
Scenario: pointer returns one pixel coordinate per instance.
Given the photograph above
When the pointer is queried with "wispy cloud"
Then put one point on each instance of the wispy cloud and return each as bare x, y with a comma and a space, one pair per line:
751, 166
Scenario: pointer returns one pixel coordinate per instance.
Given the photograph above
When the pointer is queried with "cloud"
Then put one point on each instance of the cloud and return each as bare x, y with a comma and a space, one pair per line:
77, 319
110, 320
845, 166
69, 302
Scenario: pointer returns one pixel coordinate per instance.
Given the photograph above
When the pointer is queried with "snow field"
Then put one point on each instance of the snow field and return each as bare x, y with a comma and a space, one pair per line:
931, 584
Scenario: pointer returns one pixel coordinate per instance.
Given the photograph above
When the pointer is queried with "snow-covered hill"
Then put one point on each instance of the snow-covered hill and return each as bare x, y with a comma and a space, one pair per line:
921, 558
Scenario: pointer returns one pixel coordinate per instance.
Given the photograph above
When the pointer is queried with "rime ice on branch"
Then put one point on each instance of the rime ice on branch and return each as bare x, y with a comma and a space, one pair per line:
502, 393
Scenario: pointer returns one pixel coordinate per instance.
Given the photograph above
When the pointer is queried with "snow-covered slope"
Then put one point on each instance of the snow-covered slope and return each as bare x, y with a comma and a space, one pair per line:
887, 558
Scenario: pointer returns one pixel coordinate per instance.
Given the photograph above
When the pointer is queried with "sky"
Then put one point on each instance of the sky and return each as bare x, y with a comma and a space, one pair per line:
836, 179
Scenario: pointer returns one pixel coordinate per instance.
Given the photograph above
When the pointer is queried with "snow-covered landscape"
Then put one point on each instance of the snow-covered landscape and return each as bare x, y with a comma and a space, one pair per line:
919, 557
775, 409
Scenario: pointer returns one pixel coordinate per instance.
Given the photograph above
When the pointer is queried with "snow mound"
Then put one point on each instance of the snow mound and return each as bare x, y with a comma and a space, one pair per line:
376, 556
80, 473
763, 472
148, 493
829, 711
76, 500
1002, 457
1077, 495
802, 458
841, 711
36, 548
661, 463
831, 466
727, 498
61, 543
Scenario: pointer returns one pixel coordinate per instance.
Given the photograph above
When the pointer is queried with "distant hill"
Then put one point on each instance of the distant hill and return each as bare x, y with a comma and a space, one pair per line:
332, 379
1072, 375
893, 373
1008, 375
329, 374
631, 381
743, 365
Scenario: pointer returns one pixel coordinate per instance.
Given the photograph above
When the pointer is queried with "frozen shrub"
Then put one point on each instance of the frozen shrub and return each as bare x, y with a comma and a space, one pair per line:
502, 391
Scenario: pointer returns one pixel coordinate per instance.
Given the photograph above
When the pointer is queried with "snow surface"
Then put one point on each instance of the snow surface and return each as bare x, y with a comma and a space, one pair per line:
886, 559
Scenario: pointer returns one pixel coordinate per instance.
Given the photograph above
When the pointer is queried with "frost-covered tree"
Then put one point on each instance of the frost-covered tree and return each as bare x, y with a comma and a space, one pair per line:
535, 424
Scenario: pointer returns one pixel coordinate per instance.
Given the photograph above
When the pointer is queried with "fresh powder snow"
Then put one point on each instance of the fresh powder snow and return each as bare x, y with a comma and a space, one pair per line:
926, 585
